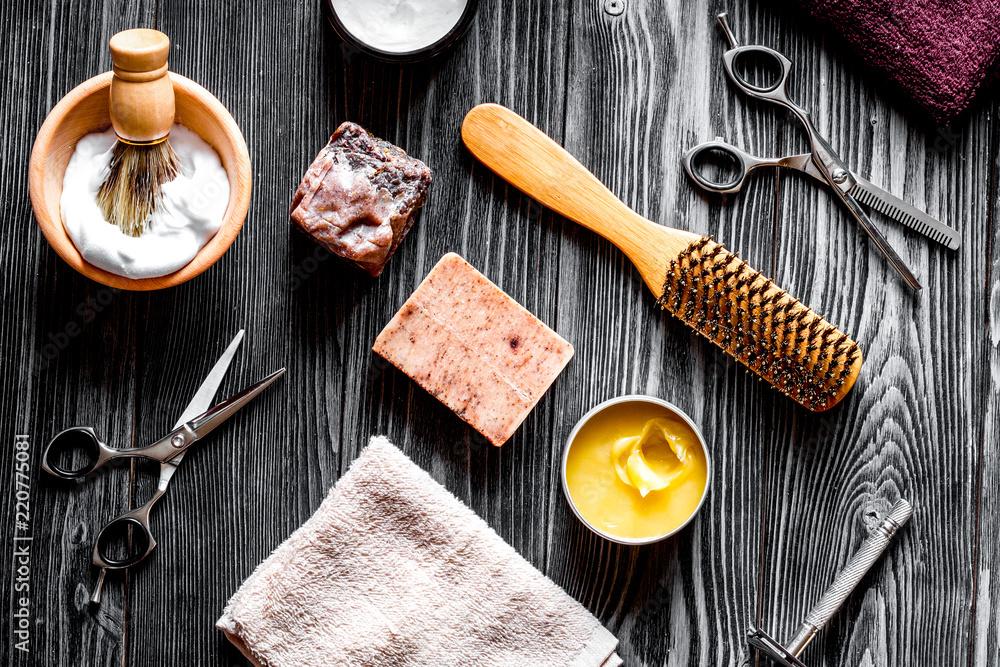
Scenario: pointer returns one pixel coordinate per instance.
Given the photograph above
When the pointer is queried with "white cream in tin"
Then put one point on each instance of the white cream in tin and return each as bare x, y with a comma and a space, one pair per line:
399, 26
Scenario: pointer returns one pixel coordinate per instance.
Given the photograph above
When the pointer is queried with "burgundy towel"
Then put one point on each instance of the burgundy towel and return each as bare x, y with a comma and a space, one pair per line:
942, 52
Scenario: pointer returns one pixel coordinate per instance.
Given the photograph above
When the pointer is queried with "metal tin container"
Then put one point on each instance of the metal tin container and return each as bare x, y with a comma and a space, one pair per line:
637, 398
432, 50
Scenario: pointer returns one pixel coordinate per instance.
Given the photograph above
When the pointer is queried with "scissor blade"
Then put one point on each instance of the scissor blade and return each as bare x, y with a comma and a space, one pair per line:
170, 449
206, 392
911, 216
877, 238
205, 423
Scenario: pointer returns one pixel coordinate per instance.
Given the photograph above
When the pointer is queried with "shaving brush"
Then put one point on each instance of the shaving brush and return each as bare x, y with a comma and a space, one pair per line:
142, 113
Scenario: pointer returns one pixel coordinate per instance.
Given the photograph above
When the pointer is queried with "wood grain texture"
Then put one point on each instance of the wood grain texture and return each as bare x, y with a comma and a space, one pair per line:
685, 601
322, 317
536, 165
986, 626
69, 352
791, 492
911, 424
514, 54
263, 474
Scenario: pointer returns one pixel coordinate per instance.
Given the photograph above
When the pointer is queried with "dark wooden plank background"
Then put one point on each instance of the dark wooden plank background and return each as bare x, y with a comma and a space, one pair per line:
792, 492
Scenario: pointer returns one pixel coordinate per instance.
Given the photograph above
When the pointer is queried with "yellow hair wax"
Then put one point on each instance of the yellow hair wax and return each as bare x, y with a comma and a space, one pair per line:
636, 470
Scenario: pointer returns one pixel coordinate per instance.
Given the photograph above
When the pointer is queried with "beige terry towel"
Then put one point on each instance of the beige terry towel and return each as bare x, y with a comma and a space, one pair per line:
393, 570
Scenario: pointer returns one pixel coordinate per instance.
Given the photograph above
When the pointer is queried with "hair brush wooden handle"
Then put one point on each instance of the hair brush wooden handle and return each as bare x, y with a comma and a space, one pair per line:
530, 160
698, 280
142, 95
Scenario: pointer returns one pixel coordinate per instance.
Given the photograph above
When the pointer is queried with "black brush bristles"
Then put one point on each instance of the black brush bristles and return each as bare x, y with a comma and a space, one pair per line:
131, 192
747, 315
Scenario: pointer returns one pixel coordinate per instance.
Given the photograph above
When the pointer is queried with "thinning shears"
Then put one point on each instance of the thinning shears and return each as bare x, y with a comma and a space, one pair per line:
822, 163
130, 533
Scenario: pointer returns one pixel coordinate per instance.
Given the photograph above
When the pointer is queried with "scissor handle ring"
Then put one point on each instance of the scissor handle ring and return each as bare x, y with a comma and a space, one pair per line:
776, 91
690, 166
76, 438
141, 533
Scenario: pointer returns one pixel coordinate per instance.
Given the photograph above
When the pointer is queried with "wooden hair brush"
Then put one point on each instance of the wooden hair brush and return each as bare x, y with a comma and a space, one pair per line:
142, 113
696, 279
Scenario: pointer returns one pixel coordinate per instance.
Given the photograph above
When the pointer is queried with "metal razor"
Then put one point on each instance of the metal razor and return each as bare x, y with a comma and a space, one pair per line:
875, 544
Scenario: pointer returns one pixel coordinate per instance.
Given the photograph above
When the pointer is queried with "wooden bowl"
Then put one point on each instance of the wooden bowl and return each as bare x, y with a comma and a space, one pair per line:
85, 110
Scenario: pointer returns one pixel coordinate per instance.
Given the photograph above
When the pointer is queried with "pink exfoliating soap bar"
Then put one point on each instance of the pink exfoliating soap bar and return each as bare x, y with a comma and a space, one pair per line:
474, 348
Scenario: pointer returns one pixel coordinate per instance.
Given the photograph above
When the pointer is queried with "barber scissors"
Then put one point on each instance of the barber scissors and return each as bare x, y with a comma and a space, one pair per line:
196, 422
822, 163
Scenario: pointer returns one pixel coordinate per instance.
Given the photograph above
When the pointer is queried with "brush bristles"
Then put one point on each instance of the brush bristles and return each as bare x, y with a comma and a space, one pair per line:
131, 192
747, 315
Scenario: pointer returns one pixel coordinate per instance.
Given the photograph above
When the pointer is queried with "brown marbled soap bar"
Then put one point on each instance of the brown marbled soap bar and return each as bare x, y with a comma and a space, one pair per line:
360, 196
474, 348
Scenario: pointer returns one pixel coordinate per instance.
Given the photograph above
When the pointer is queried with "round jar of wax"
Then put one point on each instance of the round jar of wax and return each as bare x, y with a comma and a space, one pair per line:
401, 31
635, 469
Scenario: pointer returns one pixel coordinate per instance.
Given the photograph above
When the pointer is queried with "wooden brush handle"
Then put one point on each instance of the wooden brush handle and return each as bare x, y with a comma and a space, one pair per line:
142, 95
528, 159
699, 281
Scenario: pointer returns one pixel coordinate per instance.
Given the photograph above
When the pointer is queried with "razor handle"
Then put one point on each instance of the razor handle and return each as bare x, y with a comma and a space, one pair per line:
859, 564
